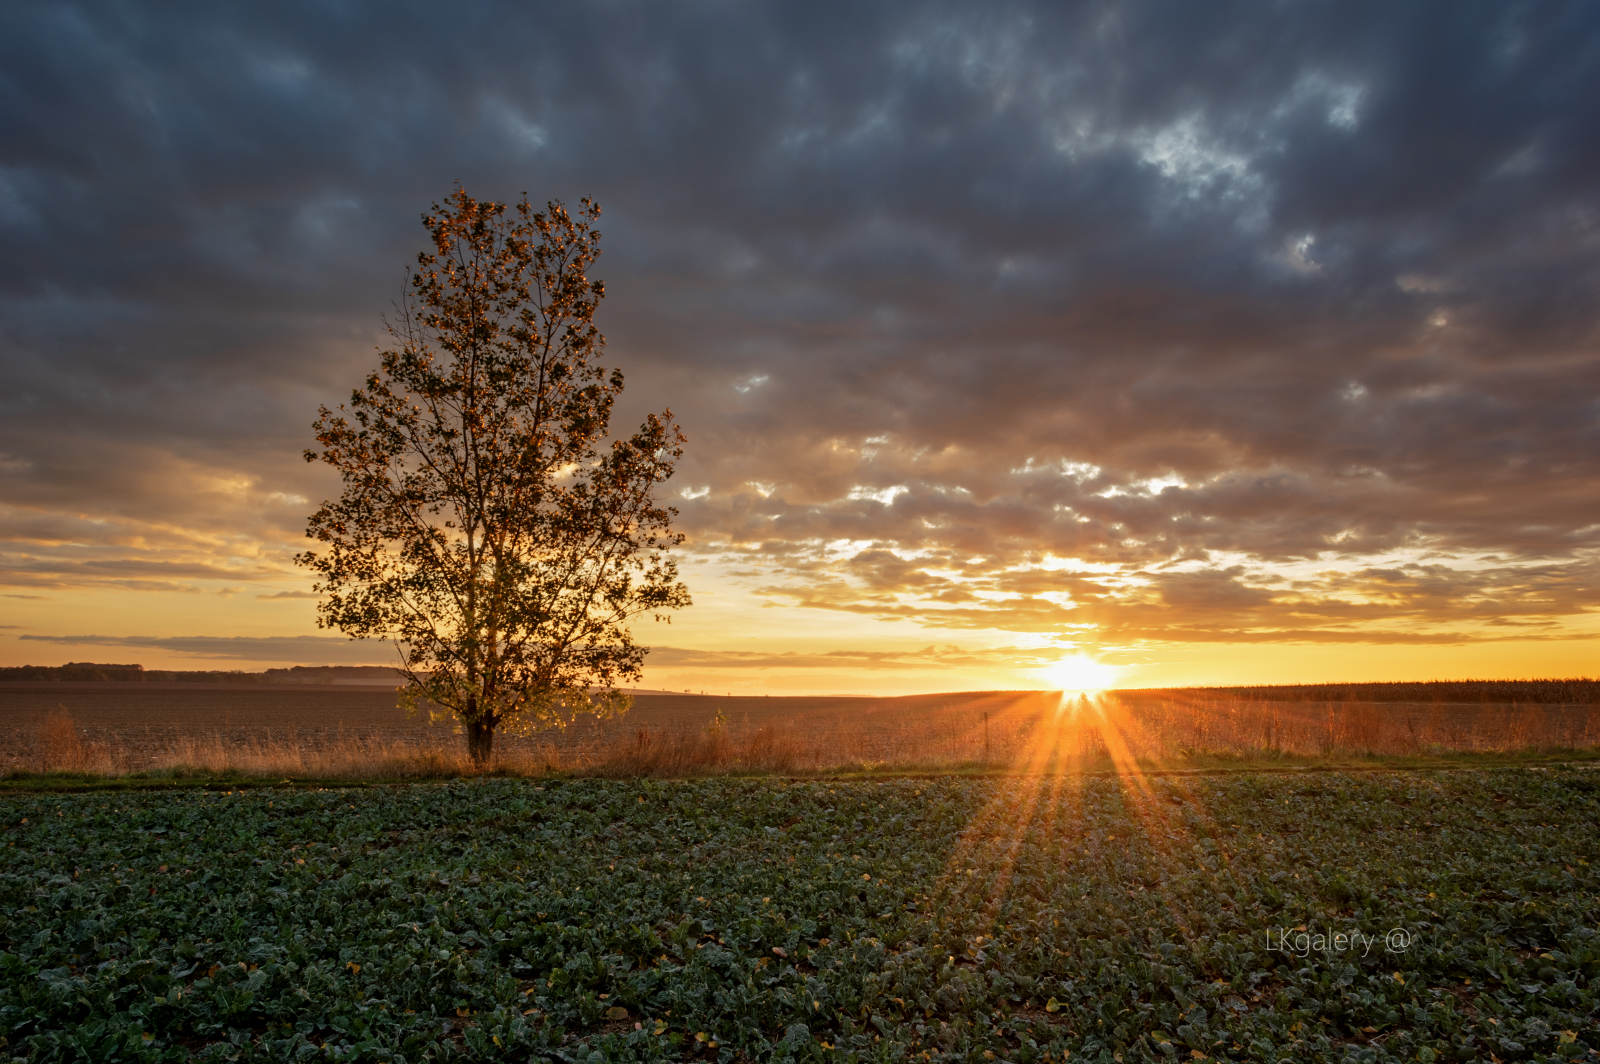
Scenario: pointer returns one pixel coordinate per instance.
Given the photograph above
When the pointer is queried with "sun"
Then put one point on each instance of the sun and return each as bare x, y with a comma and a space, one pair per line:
1079, 673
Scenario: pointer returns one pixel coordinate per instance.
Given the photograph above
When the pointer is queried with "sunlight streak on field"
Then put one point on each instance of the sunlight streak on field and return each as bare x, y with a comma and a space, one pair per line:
1043, 806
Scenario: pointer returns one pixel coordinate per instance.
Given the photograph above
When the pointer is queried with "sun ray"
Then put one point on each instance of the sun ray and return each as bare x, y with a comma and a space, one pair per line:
1041, 803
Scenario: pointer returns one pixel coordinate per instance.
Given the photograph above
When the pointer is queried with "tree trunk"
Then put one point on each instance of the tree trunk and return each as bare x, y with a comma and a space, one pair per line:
480, 741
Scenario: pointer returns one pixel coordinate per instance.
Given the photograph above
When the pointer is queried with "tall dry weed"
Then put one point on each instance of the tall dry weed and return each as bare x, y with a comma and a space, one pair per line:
61, 747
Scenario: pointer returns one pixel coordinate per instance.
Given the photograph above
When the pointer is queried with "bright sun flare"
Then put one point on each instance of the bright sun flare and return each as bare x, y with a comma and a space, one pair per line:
1080, 674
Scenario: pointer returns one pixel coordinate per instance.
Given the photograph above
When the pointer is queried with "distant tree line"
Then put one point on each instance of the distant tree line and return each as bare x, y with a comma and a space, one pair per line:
92, 672
1577, 691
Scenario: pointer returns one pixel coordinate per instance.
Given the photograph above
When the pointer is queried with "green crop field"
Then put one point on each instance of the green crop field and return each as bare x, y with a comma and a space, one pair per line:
1431, 917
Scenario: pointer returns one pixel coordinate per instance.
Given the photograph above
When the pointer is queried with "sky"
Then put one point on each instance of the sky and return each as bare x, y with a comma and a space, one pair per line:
1017, 344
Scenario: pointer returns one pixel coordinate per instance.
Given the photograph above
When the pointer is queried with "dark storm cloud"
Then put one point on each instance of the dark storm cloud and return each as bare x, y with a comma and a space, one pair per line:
1188, 293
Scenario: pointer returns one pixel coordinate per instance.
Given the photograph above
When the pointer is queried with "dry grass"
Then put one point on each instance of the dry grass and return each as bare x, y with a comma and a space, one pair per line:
63, 749
1029, 732
766, 748
60, 748
1163, 728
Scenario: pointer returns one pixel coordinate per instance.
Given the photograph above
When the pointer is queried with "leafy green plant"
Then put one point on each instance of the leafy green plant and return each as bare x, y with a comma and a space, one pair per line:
1022, 920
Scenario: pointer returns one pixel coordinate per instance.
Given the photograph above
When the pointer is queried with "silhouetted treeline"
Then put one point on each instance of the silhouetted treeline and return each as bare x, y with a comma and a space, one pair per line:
1577, 691
332, 674
92, 672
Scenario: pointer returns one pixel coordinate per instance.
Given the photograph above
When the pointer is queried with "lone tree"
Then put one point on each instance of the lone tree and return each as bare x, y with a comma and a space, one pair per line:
484, 527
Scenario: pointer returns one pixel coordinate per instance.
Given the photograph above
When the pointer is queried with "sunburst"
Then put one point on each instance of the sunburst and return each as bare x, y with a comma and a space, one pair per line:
1080, 673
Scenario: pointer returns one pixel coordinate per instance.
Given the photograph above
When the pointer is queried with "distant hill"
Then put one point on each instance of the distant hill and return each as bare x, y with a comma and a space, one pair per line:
1578, 691
342, 675
94, 672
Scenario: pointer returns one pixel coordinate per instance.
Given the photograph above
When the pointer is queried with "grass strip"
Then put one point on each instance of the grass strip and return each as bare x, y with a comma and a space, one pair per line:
1200, 765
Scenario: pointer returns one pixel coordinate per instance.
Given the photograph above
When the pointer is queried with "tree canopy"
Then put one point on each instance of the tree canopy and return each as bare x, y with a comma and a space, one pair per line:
485, 526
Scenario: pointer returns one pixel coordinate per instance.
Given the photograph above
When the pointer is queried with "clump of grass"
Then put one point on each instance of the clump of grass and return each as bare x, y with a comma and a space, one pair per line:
768, 748
62, 747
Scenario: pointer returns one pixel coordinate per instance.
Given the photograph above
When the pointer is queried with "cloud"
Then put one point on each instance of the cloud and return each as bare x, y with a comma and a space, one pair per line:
50, 549
306, 649
1410, 602
1124, 324
949, 656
